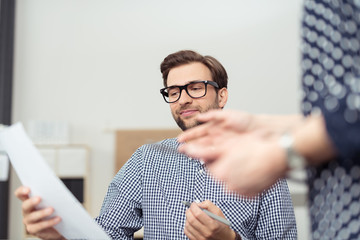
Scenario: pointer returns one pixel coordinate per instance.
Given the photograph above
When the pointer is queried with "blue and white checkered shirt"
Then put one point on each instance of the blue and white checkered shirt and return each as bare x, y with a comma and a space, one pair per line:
149, 189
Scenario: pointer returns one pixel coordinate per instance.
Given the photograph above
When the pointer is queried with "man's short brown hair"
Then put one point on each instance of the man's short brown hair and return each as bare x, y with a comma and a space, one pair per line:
179, 58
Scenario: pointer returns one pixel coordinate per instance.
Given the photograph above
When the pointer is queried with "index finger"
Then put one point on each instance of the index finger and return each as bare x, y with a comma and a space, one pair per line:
22, 193
207, 204
201, 217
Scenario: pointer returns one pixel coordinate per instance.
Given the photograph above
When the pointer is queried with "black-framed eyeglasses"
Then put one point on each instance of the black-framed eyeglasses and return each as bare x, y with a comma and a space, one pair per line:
195, 89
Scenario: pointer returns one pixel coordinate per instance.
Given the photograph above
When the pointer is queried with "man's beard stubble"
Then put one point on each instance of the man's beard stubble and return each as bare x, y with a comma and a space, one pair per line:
181, 123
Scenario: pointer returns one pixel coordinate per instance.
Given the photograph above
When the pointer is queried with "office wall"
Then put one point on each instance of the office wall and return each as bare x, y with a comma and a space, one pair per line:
95, 64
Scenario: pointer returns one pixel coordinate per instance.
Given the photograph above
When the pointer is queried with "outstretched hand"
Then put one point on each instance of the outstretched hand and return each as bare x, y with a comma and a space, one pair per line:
236, 150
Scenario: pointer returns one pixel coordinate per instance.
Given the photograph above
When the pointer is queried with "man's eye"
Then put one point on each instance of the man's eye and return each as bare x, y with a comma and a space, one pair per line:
173, 93
195, 88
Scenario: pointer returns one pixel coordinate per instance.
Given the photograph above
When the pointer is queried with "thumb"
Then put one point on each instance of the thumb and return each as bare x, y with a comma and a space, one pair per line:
211, 207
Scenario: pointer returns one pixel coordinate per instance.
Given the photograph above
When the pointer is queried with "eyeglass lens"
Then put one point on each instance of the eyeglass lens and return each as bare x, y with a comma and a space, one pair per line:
195, 90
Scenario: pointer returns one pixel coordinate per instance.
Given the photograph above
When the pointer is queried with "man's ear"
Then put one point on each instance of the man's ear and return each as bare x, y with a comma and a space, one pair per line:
222, 97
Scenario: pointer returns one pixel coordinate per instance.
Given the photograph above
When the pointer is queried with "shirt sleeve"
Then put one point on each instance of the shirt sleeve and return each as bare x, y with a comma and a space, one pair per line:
121, 213
276, 214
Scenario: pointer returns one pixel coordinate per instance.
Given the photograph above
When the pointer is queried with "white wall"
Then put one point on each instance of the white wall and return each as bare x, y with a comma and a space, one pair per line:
95, 64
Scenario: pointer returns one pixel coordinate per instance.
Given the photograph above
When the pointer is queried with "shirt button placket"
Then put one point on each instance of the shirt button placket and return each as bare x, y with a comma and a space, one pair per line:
199, 182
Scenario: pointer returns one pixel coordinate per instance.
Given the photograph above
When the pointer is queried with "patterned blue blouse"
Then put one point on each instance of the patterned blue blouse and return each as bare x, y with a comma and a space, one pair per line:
331, 85
149, 189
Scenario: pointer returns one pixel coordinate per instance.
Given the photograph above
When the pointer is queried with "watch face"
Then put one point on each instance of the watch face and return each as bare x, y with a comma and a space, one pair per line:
294, 160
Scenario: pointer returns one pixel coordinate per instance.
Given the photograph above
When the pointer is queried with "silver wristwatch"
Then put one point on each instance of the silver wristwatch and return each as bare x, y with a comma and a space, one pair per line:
294, 160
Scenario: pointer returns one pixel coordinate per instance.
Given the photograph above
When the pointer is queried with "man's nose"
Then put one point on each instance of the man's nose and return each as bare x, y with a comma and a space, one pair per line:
184, 97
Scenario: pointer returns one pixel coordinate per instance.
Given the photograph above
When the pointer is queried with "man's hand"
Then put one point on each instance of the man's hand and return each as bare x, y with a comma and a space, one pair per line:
198, 225
36, 221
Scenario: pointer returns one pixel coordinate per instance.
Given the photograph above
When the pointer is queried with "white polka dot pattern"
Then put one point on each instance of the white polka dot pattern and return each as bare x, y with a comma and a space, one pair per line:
331, 86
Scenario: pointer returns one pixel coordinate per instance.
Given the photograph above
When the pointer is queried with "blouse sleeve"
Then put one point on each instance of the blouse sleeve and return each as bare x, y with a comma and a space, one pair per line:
343, 128
331, 72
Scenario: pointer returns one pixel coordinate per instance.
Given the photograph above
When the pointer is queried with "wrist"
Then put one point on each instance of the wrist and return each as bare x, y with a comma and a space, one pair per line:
313, 141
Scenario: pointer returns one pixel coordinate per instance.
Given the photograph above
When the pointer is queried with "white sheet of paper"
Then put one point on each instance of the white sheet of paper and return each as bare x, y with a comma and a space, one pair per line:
4, 167
34, 172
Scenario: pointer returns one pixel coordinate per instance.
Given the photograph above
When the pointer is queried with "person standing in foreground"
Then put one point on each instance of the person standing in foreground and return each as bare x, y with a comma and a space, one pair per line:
149, 189
250, 152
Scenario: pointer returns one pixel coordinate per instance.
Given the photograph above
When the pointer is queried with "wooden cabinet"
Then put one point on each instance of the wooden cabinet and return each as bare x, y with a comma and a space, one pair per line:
127, 141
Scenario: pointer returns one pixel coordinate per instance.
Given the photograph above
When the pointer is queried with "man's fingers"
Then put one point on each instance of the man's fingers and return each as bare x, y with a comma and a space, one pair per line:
30, 204
38, 215
201, 219
211, 207
190, 232
22, 193
195, 218
43, 225
192, 225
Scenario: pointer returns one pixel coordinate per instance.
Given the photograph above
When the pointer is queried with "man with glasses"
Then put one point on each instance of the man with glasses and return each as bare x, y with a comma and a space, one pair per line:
149, 190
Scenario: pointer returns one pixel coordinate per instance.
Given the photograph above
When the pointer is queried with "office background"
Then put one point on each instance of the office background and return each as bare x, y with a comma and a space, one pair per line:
95, 65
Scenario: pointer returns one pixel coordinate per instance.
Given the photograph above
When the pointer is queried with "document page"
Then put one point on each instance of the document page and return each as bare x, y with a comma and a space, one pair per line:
35, 173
